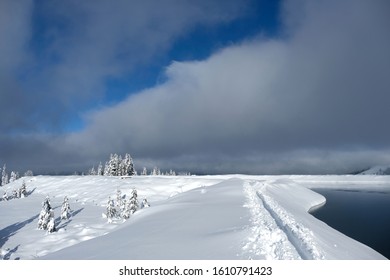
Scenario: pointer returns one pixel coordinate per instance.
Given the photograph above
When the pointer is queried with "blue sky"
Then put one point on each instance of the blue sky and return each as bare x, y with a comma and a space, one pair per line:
260, 17
252, 86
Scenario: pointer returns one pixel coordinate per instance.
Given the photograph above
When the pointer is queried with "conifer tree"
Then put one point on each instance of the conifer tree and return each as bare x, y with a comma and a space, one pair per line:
45, 214
15, 194
51, 226
106, 169
100, 170
133, 202
119, 199
92, 171
28, 173
23, 190
4, 176
145, 203
126, 211
65, 209
111, 210
128, 166
13, 177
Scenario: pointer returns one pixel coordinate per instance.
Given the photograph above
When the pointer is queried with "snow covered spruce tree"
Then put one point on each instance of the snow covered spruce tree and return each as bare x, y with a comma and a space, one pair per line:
46, 216
145, 203
28, 173
131, 205
133, 202
100, 170
4, 176
92, 171
14, 176
127, 166
117, 166
51, 226
111, 212
65, 209
23, 190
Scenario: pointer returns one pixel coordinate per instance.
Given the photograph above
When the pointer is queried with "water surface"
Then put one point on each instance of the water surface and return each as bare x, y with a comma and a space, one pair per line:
362, 215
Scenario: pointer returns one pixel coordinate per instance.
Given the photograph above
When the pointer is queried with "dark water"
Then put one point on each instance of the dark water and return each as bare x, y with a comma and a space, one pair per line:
362, 215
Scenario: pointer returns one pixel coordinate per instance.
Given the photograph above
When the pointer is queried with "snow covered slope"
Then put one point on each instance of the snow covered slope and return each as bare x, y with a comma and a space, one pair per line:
377, 170
194, 217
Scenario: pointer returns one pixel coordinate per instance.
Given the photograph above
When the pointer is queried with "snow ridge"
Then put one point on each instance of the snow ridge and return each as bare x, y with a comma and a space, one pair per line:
299, 235
266, 239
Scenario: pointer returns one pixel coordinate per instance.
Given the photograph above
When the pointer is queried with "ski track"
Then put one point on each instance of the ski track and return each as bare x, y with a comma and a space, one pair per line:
266, 239
275, 233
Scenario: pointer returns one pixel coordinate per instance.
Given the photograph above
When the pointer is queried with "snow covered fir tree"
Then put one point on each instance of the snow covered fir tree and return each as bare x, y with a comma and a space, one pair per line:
115, 166
4, 176
111, 211
123, 208
16, 193
124, 166
23, 190
65, 209
46, 217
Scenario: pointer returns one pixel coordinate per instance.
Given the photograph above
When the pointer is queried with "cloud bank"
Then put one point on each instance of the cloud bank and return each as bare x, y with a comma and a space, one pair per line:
314, 100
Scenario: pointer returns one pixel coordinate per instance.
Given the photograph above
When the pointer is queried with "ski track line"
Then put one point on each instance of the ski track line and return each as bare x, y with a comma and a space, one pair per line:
266, 240
299, 235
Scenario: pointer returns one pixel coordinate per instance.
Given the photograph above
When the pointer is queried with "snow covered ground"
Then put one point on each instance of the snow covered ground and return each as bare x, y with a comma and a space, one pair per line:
191, 217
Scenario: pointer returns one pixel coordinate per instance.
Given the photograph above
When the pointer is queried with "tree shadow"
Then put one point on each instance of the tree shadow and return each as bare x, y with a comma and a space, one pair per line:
30, 192
10, 252
67, 222
11, 230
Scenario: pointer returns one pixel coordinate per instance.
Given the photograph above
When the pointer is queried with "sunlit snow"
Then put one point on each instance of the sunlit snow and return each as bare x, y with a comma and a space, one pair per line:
191, 217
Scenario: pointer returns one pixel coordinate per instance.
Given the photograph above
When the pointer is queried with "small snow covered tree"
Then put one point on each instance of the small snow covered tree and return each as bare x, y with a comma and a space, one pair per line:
133, 201
23, 190
4, 176
156, 171
28, 173
92, 171
65, 209
5, 196
145, 203
126, 211
120, 202
45, 214
15, 194
111, 212
13, 177
51, 226
100, 170
106, 171
144, 172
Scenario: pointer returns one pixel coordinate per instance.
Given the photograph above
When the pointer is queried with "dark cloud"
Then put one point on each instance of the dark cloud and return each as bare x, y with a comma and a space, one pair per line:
57, 56
313, 101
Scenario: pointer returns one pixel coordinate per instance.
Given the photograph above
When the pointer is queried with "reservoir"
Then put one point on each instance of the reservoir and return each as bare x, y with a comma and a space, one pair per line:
361, 215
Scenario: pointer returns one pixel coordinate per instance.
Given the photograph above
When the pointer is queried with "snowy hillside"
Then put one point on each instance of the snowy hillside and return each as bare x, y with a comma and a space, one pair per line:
191, 217
377, 170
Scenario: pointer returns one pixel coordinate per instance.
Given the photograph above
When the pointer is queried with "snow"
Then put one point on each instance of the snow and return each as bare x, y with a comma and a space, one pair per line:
190, 217
377, 170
